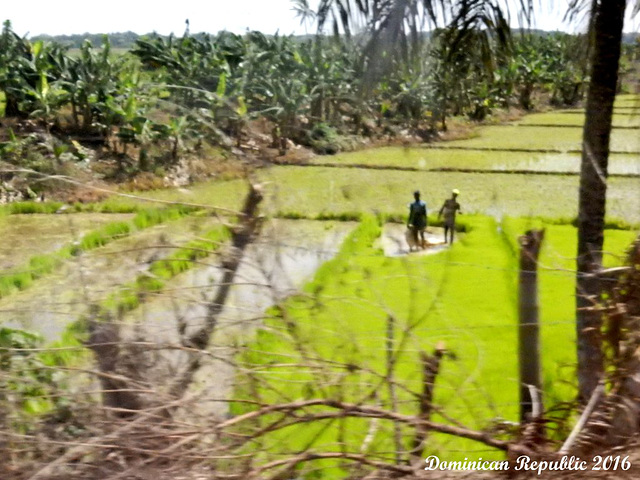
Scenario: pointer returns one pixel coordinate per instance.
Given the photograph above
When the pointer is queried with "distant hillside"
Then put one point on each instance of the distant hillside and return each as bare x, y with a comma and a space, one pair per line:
631, 37
118, 40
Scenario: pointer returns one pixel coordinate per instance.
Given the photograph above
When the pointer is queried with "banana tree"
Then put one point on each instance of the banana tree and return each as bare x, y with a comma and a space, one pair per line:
531, 65
174, 131
13, 51
567, 68
285, 100
90, 79
45, 100
192, 65
274, 84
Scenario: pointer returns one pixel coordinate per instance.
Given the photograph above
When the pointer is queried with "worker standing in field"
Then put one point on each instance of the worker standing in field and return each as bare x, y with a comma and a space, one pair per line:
449, 210
418, 219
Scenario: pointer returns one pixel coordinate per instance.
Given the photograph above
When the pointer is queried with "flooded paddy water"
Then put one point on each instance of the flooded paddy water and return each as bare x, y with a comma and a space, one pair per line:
59, 298
393, 241
435, 157
275, 266
283, 258
27, 235
519, 137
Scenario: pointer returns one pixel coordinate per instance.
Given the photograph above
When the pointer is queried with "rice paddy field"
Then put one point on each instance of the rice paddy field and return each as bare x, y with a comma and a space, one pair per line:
434, 158
322, 191
528, 168
527, 137
53, 232
330, 192
623, 117
464, 297
330, 340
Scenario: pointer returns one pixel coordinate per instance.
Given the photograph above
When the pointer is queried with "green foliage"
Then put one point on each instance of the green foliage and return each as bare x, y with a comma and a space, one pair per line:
557, 284
102, 236
227, 194
27, 386
17, 208
353, 294
316, 92
183, 259
360, 239
36, 267
149, 217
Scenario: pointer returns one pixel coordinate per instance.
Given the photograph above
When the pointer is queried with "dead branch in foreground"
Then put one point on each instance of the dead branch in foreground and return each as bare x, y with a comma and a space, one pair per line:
152, 445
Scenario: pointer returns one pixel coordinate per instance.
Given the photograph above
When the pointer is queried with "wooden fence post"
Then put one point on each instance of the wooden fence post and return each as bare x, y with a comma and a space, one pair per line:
529, 328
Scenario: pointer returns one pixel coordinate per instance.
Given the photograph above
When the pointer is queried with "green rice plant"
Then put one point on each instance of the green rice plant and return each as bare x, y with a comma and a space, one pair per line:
575, 118
361, 238
36, 267
340, 217
70, 350
610, 223
41, 265
318, 192
33, 207
149, 217
354, 294
440, 157
617, 224
130, 296
557, 290
628, 99
109, 207
102, 236
15, 281
518, 137
225, 194
465, 296
183, 259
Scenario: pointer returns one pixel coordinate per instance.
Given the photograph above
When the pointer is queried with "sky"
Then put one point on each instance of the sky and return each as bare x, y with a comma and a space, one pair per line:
58, 17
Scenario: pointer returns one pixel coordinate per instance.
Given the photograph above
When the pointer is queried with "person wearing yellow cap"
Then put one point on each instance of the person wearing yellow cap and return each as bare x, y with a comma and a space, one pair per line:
449, 210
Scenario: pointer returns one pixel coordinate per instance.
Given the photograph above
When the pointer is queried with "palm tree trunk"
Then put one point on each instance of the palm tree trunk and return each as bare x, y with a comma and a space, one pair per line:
608, 18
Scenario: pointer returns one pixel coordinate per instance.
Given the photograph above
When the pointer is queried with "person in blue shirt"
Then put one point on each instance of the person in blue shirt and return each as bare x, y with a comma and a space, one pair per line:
417, 222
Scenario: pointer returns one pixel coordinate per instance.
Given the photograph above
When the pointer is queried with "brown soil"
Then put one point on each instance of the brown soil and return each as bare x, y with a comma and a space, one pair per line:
253, 150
